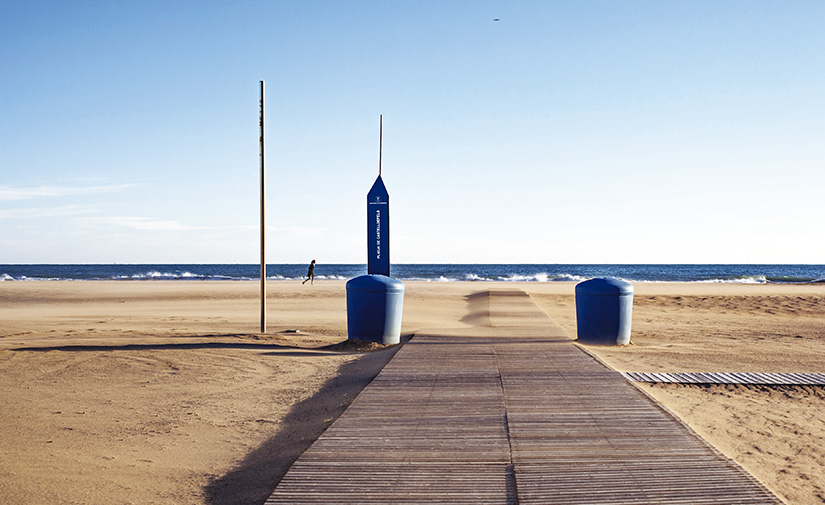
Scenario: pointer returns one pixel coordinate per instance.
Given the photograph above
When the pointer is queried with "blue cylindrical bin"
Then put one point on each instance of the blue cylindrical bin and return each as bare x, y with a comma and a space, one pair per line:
374, 306
604, 309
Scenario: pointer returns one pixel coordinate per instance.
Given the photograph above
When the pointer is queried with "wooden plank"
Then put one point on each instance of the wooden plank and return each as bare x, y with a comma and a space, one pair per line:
755, 378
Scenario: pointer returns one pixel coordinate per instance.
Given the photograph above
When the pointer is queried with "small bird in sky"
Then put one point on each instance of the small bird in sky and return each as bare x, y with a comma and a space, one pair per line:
496, 19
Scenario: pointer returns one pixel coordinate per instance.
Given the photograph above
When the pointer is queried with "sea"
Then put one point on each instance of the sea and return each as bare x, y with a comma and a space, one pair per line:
736, 273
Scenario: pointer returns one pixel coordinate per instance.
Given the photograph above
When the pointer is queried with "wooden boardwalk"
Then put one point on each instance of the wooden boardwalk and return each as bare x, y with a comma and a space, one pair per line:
509, 412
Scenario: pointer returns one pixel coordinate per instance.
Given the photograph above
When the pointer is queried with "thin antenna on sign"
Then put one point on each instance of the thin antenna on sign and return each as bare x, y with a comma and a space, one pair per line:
380, 143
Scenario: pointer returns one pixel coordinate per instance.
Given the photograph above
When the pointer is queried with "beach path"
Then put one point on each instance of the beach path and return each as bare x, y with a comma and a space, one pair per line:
510, 411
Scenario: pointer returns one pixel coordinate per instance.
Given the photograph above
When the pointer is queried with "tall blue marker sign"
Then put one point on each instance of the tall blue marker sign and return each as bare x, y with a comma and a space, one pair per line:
375, 301
378, 229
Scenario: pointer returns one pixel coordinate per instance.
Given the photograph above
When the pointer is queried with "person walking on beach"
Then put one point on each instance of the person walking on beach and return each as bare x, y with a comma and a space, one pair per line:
310, 274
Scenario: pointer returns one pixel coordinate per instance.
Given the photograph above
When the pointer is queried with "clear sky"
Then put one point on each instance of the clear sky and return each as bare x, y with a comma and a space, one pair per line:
566, 132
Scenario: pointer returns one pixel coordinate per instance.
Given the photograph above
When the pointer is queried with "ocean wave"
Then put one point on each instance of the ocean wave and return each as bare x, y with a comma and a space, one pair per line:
24, 278
543, 277
155, 275
742, 279
788, 279
280, 277
568, 278
330, 277
440, 278
475, 277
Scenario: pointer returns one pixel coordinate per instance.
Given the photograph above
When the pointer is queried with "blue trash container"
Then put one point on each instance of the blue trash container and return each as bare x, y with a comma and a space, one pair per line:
374, 307
604, 309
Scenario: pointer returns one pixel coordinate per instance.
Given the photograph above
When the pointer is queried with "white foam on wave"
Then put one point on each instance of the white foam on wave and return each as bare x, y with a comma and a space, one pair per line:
747, 279
280, 277
185, 275
473, 277
7, 277
517, 278
568, 278
151, 275
543, 277
330, 277
429, 279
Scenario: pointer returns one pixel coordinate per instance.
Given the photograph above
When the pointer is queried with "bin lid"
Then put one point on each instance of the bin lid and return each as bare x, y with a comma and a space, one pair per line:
375, 284
604, 287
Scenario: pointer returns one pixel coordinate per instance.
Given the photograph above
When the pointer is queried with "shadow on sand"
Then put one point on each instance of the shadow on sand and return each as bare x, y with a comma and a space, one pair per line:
349, 346
478, 309
284, 350
255, 478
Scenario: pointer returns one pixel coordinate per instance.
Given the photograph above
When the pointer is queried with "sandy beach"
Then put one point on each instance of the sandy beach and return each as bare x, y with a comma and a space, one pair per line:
166, 393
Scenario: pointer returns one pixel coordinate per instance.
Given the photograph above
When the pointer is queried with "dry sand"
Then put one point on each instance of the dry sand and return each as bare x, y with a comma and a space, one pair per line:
165, 392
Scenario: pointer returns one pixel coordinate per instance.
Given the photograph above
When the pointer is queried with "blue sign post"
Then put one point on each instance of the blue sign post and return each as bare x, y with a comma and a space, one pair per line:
375, 301
378, 229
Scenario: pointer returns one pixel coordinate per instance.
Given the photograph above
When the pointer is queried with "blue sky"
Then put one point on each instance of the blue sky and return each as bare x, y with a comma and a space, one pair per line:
566, 132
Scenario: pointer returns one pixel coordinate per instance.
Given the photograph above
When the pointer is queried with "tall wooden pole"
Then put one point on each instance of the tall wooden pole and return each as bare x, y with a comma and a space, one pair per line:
263, 222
